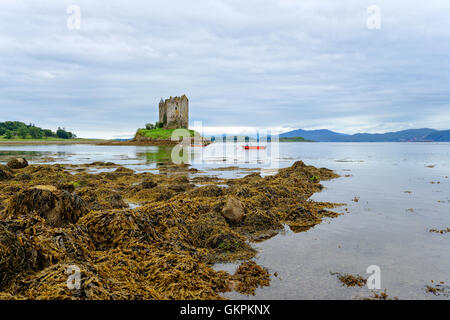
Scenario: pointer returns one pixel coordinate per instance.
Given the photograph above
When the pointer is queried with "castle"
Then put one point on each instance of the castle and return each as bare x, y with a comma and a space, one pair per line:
174, 112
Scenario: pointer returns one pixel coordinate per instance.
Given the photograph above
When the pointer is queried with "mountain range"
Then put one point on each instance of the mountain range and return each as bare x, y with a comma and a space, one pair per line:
411, 135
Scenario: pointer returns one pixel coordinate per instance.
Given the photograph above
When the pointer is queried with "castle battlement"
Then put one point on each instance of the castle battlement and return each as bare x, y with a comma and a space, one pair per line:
174, 112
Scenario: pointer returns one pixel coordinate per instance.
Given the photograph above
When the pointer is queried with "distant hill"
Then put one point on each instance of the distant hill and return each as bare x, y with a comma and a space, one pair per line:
439, 136
324, 135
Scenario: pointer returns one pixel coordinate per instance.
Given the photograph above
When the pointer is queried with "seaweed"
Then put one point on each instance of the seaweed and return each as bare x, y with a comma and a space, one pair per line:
350, 280
57, 220
13, 256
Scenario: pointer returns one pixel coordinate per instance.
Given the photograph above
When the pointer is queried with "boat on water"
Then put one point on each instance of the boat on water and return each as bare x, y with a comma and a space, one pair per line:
247, 147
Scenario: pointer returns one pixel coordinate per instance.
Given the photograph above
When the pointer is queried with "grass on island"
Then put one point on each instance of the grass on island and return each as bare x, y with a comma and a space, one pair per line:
160, 133
294, 139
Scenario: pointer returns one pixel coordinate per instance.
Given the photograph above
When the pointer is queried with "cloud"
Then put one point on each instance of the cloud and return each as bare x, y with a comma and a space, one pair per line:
254, 63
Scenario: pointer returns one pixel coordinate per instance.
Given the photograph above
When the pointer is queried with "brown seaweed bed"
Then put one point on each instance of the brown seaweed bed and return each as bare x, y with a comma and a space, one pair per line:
53, 217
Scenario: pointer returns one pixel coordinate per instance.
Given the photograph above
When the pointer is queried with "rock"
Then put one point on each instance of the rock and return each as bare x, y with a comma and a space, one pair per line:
116, 201
18, 163
233, 210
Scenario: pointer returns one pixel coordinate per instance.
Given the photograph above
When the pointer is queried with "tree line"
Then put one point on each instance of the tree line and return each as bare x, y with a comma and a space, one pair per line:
16, 129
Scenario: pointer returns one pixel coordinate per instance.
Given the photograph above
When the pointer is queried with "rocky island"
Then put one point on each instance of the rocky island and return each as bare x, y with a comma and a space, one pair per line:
173, 116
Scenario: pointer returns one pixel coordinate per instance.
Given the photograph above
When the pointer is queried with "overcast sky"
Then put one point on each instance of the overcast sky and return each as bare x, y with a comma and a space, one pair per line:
276, 63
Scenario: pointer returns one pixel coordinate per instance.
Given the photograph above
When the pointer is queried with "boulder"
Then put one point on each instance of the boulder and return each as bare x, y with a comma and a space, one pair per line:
233, 211
18, 163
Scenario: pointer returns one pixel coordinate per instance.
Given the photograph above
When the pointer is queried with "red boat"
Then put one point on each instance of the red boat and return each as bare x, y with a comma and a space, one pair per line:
254, 147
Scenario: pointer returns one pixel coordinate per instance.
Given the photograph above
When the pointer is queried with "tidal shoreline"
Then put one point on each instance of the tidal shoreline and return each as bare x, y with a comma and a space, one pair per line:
55, 216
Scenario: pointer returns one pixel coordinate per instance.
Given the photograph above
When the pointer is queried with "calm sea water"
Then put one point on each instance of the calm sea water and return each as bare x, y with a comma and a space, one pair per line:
403, 191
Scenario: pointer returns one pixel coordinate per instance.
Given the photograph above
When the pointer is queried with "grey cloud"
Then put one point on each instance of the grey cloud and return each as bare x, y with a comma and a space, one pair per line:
309, 64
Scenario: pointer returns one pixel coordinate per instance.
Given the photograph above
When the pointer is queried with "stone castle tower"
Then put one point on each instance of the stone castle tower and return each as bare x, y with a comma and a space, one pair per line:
174, 112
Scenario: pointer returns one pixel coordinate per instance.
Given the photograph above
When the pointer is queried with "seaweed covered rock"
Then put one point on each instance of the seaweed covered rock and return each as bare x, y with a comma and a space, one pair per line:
224, 241
148, 184
117, 202
18, 163
23, 177
13, 257
118, 228
208, 191
58, 207
62, 283
47, 245
98, 198
260, 224
124, 171
179, 179
233, 210
69, 187
179, 187
300, 218
5, 174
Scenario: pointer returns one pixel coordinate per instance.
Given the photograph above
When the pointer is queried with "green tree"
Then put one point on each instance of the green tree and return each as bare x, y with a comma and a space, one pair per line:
35, 132
48, 133
22, 132
8, 134
62, 134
